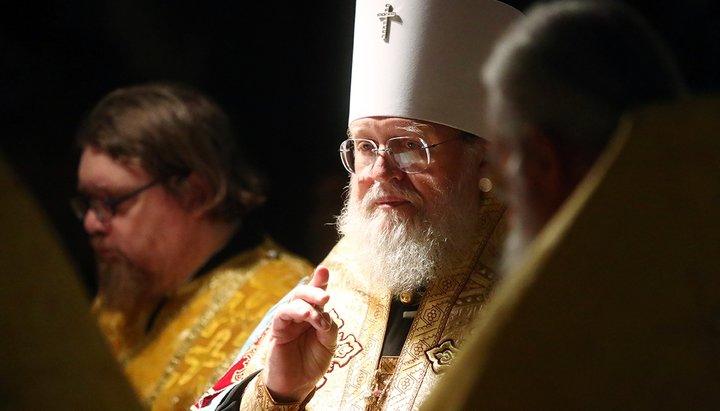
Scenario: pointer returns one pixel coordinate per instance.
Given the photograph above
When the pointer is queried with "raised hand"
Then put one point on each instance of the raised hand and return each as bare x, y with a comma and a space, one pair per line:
302, 342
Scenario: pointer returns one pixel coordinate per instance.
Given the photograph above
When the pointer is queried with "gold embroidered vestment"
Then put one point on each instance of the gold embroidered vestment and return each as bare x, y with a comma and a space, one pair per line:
444, 320
201, 327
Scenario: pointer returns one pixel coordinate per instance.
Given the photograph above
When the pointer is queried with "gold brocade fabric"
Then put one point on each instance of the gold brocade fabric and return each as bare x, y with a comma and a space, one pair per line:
382, 380
616, 306
201, 328
444, 320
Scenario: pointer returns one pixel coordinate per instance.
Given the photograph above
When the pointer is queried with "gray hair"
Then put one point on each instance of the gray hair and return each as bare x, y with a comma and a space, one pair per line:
572, 68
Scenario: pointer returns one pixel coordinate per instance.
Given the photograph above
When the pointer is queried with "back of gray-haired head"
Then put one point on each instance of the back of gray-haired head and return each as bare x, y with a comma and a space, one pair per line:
572, 68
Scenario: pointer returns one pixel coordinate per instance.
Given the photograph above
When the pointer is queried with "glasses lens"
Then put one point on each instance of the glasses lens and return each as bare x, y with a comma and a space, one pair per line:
102, 210
409, 153
346, 156
79, 206
356, 154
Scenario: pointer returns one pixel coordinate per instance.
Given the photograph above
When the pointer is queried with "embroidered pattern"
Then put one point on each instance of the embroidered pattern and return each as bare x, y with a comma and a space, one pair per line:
348, 347
442, 356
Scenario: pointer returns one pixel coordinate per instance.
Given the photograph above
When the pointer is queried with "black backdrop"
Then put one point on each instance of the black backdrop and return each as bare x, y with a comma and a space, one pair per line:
280, 69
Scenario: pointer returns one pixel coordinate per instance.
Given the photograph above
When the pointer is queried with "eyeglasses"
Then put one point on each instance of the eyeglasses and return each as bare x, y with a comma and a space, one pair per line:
104, 208
410, 154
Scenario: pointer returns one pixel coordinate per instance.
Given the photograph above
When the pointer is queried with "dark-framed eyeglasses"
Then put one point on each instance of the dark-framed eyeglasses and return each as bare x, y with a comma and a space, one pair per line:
410, 154
104, 208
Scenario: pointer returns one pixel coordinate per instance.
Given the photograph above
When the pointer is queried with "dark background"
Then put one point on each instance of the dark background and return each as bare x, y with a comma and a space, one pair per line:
280, 69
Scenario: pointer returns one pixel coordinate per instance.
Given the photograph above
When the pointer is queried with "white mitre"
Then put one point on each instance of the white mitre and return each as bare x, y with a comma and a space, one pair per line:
420, 59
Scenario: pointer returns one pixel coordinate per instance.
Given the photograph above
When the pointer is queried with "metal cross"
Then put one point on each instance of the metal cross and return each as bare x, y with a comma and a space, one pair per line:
385, 17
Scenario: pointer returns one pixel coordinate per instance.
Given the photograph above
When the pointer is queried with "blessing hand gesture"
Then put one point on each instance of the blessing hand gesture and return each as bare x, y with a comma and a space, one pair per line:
302, 341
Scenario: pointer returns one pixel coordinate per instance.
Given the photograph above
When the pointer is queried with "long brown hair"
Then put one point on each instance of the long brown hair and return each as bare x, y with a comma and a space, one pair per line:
174, 130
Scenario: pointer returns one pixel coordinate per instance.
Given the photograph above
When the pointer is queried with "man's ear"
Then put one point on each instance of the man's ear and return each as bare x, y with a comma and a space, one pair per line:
482, 150
542, 165
482, 164
195, 194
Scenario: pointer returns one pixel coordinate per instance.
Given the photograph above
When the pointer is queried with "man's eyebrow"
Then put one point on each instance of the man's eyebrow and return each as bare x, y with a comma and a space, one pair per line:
83, 189
415, 128
92, 190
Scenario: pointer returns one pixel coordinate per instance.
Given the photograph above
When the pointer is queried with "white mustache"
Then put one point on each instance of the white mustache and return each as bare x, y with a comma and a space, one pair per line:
377, 192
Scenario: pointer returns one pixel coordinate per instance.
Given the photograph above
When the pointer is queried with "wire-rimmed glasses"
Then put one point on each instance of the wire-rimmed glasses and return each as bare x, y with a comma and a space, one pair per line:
410, 154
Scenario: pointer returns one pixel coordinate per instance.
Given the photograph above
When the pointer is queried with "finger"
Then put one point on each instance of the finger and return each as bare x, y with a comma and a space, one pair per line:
294, 312
327, 336
320, 277
320, 320
311, 295
296, 317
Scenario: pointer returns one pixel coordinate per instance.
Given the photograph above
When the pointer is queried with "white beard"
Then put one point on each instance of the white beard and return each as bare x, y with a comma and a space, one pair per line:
395, 252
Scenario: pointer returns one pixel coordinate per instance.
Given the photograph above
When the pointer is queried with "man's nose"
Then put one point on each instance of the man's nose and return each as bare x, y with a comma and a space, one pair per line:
93, 224
384, 168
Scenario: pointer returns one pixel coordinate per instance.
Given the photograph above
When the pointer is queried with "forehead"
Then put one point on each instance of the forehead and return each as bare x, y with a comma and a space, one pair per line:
378, 128
98, 171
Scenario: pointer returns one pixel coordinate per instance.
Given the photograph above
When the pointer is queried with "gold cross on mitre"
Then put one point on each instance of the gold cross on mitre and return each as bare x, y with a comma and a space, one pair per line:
385, 16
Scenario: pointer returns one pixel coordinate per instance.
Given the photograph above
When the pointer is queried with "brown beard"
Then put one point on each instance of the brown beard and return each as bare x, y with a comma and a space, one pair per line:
121, 285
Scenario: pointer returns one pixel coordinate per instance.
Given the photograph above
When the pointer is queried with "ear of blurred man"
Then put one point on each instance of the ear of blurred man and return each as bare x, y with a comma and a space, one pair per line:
196, 195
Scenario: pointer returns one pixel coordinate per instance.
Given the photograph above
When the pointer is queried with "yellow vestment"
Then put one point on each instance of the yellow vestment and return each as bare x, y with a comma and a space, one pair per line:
200, 329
